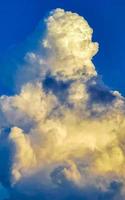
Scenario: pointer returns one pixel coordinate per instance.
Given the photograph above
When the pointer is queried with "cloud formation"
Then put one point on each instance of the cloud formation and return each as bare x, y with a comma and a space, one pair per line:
65, 128
69, 44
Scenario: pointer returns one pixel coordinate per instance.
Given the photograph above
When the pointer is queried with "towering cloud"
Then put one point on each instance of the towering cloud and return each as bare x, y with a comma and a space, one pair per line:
65, 129
69, 45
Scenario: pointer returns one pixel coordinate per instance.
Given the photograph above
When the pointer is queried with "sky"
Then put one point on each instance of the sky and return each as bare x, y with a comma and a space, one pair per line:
62, 106
18, 20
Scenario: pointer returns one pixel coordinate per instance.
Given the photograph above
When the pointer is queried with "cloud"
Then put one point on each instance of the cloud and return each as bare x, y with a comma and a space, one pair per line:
64, 130
69, 45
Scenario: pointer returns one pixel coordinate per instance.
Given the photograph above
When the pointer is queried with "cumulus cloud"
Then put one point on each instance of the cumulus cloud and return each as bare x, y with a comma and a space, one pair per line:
69, 44
65, 128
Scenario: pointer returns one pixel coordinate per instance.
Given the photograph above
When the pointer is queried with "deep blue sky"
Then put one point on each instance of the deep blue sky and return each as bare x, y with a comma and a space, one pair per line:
19, 18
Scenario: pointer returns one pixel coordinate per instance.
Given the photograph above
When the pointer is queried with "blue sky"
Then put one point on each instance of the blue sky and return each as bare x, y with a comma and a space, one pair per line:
19, 18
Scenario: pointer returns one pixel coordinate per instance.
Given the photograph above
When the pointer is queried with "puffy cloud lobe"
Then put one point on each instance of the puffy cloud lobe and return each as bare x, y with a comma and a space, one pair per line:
77, 142
23, 154
69, 45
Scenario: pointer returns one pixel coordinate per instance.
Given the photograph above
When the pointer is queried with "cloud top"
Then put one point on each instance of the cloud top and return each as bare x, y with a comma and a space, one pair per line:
69, 44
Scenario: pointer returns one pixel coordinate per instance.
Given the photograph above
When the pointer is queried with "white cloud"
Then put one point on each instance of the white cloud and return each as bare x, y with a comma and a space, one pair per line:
69, 45
85, 133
